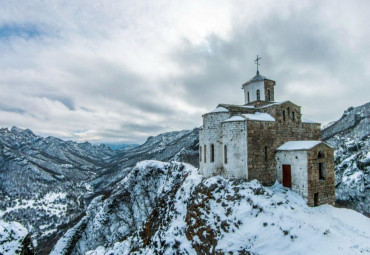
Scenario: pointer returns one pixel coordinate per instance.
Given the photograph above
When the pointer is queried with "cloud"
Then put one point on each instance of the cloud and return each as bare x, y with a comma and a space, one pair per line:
120, 71
311, 62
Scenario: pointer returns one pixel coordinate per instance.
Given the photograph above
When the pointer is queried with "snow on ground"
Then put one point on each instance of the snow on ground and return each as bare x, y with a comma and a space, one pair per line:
220, 216
12, 235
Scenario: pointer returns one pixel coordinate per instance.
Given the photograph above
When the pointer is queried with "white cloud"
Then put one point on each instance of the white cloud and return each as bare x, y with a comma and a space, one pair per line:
124, 70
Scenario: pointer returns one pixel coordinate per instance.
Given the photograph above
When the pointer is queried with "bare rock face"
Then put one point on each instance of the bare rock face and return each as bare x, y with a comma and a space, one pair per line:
350, 136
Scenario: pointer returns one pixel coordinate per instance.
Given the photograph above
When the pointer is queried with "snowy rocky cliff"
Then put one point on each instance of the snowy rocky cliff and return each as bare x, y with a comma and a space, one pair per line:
47, 183
350, 136
14, 239
168, 208
43, 180
177, 145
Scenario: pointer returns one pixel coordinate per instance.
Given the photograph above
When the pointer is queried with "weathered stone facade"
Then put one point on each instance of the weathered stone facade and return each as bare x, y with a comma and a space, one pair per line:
325, 187
240, 141
307, 176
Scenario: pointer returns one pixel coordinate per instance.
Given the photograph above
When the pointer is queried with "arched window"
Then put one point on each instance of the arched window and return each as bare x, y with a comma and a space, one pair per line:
205, 153
258, 94
225, 154
268, 95
200, 153
248, 97
283, 115
321, 154
293, 116
212, 153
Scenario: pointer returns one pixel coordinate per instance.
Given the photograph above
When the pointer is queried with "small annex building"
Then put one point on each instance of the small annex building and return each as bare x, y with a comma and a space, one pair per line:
307, 167
261, 138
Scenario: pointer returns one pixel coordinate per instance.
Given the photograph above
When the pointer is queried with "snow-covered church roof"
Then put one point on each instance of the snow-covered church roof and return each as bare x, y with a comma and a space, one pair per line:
256, 116
235, 118
220, 109
304, 120
257, 77
259, 116
298, 145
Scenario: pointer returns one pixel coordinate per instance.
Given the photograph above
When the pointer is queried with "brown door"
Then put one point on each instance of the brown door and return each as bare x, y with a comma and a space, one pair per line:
287, 176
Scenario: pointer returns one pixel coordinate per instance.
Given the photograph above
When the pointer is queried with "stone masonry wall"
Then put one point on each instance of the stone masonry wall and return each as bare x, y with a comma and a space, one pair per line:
234, 137
261, 134
269, 86
252, 90
272, 135
325, 188
298, 162
212, 134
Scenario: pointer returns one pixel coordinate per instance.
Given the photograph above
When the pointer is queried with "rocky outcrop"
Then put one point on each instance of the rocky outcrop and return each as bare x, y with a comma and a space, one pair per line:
168, 208
350, 136
15, 239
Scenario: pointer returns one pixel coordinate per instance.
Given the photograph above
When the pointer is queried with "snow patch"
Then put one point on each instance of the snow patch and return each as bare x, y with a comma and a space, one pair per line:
220, 109
298, 145
12, 235
259, 116
235, 118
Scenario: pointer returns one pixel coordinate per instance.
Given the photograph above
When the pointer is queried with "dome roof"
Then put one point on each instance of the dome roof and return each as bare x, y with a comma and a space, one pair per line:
257, 77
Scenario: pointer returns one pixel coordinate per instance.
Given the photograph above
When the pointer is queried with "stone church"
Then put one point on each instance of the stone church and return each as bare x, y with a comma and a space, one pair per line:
268, 141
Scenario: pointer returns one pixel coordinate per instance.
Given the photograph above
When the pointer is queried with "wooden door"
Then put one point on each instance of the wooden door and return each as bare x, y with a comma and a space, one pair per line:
287, 176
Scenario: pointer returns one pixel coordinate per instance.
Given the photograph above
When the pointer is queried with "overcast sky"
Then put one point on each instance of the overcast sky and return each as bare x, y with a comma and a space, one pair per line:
120, 71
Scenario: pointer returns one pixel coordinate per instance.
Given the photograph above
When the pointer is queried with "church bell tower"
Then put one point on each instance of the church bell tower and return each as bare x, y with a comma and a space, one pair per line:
258, 90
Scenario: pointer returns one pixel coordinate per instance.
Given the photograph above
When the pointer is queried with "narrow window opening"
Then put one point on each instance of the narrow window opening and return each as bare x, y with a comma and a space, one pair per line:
205, 153
258, 94
322, 171
265, 153
293, 116
315, 199
248, 97
200, 153
212, 153
288, 110
225, 154
283, 115
268, 95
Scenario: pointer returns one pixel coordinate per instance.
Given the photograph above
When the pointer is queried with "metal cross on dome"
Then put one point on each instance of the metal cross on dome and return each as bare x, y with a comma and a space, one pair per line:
256, 61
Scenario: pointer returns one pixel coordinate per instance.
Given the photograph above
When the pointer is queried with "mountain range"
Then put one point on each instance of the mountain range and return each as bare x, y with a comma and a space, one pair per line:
47, 183
91, 199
